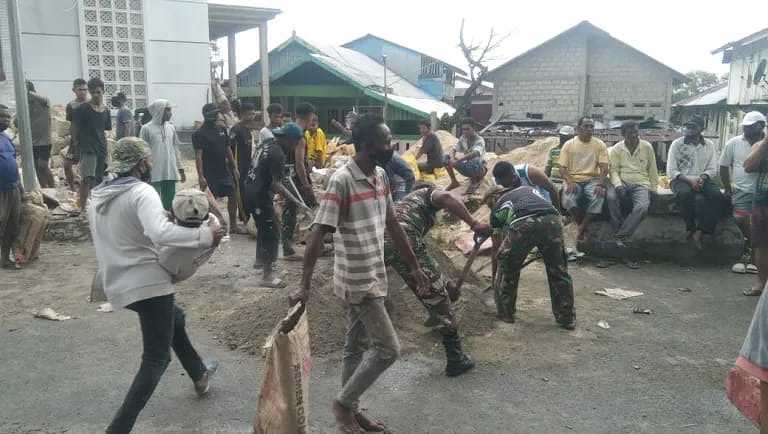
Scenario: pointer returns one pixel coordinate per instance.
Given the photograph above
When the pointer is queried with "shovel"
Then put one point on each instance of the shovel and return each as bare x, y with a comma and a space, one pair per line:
479, 240
306, 215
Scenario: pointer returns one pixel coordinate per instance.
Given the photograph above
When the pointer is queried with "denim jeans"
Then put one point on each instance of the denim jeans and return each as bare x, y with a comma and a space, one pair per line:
162, 328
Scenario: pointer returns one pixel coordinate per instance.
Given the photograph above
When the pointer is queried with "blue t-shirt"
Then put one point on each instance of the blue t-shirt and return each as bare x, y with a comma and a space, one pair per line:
9, 170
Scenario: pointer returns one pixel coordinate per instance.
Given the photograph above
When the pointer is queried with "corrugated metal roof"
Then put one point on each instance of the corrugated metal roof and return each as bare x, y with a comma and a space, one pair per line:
369, 74
715, 95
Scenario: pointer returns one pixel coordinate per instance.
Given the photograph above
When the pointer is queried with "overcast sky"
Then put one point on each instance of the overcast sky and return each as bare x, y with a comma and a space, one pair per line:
680, 34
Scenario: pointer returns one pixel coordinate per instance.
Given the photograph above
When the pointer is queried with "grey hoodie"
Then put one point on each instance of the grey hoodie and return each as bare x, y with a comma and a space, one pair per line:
128, 225
163, 142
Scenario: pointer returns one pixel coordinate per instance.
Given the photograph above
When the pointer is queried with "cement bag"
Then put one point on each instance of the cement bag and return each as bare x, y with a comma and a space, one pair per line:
283, 406
34, 221
743, 390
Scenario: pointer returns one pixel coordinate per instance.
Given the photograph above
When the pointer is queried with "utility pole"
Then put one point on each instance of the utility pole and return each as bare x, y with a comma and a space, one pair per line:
22, 105
386, 97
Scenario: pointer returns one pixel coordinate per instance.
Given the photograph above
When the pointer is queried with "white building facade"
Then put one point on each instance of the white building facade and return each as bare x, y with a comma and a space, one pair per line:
147, 49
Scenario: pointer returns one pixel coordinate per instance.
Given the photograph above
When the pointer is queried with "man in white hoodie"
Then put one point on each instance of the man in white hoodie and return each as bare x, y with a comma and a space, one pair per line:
160, 135
128, 225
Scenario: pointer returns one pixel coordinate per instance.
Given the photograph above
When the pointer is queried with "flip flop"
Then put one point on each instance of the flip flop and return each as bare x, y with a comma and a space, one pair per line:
739, 268
752, 293
632, 265
751, 268
274, 283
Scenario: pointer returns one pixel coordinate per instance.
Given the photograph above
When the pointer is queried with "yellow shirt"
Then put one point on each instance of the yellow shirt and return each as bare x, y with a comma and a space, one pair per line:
638, 168
316, 143
583, 159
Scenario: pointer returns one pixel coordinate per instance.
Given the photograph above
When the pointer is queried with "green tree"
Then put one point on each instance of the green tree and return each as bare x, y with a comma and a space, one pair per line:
699, 81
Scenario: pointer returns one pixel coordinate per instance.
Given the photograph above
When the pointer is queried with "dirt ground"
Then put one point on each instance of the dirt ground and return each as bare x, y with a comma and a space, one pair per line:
647, 373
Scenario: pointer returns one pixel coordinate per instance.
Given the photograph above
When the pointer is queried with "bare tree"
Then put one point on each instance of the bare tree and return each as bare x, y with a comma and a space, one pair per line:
477, 55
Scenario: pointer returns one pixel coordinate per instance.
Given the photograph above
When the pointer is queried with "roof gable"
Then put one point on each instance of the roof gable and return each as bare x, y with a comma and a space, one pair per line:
363, 73
374, 37
584, 26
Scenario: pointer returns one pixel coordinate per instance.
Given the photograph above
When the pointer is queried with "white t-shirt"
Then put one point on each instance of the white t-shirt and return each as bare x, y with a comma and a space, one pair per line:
735, 152
265, 134
182, 262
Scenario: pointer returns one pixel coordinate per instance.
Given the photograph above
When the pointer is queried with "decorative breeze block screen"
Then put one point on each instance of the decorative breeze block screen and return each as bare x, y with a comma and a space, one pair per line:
114, 41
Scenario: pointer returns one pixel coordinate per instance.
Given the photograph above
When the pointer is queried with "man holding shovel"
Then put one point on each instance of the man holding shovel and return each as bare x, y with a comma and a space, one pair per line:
416, 214
521, 219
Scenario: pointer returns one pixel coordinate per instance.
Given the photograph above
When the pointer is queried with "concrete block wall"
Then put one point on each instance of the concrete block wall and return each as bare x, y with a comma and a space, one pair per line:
548, 82
625, 82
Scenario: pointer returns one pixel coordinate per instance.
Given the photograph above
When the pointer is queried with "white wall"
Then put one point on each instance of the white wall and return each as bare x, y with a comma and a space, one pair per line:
741, 89
178, 55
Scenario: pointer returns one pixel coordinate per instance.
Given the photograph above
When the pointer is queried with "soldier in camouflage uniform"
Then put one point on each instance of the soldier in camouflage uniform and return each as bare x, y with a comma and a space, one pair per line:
522, 219
416, 214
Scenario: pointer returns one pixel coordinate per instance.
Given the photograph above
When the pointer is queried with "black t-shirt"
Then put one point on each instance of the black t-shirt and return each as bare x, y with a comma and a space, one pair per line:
269, 168
430, 145
517, 203
242, 147
90, 128
71, 106
213, 141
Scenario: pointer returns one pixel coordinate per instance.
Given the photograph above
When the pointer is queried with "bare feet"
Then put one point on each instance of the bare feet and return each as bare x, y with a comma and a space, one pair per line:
696, 239
345, 419
453, 185
368, 424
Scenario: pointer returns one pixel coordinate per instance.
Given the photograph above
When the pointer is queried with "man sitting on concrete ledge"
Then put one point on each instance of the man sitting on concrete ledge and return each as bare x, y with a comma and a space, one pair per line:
691, 165
633, 176
584, 167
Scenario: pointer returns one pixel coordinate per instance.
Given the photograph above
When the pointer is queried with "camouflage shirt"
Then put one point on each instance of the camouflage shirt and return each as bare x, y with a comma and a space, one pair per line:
416, 213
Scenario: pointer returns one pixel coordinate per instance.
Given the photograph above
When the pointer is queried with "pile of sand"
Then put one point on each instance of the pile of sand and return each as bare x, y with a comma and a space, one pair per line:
447, 141
535, 154
248, 326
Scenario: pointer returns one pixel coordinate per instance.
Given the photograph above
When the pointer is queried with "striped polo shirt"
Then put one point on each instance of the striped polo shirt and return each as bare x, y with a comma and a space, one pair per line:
355, 206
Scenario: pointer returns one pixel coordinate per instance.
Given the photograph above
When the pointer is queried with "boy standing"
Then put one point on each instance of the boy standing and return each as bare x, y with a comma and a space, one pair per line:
92, 119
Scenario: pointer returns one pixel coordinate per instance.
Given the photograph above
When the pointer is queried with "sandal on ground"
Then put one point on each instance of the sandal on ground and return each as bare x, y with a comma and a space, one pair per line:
368, 424
739, 268
274, 282
752, 292
604, 264
751, 268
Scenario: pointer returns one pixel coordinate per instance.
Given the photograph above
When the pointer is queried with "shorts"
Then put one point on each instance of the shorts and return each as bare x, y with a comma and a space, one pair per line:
742, 203
472, 168
584, 197
430, 166
92, 168
73, 153
221, 188
759, 226
42, 152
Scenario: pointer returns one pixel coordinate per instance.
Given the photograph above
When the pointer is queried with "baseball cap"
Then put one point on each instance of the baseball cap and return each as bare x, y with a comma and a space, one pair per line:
752, 118
127, 153
567, 130
290, 130
190, 206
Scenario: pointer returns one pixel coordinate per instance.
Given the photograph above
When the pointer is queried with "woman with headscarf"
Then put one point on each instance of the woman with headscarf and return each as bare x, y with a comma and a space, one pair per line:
160, 135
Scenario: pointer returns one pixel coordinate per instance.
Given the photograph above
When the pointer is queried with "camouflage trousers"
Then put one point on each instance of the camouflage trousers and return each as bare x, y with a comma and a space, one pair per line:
437, 303
545, 233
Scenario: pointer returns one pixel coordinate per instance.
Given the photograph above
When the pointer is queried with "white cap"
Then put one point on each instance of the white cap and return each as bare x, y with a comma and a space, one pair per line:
567, 130
752, 118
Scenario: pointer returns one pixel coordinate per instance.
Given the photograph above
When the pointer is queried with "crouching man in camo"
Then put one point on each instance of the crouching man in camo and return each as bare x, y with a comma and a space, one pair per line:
416, 214
521, 219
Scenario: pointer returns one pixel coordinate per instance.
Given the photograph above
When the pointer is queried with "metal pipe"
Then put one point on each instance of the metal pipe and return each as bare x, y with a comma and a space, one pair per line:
29, 174
386, 98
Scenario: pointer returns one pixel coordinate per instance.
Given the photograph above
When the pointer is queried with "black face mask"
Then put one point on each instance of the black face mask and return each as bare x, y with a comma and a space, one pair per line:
383, 157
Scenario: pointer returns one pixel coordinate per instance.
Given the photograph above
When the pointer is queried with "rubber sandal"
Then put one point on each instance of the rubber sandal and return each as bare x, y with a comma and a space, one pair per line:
751, 293
632, 265
751, 268
274, 283
739, 269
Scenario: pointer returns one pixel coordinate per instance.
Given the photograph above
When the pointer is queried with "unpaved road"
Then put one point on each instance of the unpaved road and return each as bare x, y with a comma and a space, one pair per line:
659, 373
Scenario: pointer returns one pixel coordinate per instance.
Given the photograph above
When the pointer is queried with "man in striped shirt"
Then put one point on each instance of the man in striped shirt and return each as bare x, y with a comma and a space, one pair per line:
357, 208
